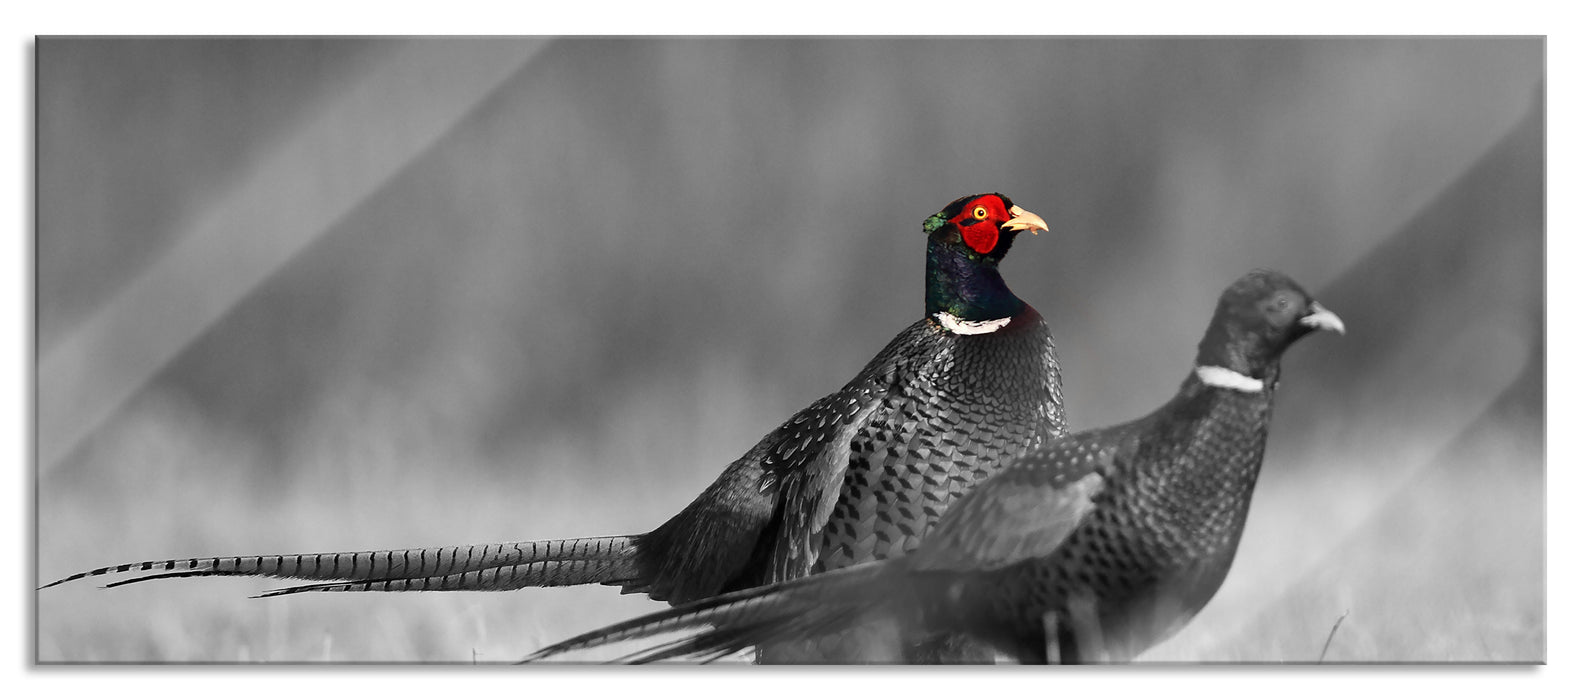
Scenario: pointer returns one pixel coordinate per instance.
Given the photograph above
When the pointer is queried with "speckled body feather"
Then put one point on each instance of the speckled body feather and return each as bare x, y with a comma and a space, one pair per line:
1159, 535
967, 405
948, 411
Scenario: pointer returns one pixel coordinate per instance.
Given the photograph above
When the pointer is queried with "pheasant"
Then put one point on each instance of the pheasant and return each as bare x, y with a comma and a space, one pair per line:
1091, 548
860, 475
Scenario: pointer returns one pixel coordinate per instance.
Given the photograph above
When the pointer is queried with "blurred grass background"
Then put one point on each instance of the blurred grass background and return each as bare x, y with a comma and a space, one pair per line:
320, 295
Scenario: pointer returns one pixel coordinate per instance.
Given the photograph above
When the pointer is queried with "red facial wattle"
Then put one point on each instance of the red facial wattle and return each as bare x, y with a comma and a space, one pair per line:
980, 221
981, 236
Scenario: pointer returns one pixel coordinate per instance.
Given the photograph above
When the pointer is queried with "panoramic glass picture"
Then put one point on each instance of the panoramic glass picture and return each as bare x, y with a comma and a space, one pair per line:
968, 350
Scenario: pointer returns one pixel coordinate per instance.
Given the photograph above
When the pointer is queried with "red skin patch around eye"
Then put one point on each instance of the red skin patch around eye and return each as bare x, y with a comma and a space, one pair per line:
981, 237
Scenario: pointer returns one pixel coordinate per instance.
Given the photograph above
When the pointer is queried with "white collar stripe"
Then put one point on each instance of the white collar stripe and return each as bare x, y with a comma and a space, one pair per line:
960, 326
1227, 379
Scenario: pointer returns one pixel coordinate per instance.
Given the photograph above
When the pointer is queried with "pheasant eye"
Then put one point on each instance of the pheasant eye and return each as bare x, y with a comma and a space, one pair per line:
980, 213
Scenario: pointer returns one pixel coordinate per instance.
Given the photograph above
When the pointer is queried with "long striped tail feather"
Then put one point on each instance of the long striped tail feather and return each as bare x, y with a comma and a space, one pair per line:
539, 574
505, 566
709, 646
796, 609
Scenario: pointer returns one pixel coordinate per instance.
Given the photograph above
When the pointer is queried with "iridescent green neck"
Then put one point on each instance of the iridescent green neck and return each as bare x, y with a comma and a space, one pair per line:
967, 284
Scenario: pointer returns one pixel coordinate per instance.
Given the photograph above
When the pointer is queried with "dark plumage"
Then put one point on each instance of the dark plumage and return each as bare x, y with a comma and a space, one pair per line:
1090, 548
860, 475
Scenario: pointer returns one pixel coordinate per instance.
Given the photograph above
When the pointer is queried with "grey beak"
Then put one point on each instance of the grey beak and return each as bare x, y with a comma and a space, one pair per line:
1323, 319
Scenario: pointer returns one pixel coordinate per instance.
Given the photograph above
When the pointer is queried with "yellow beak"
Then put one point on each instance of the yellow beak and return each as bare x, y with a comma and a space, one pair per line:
1024, 220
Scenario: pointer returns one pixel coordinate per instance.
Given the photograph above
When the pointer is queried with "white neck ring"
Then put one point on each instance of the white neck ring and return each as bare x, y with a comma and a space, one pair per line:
961, 326
1228, 379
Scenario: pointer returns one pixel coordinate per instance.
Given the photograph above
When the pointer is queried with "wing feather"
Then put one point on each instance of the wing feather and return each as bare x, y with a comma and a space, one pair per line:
1025, 511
